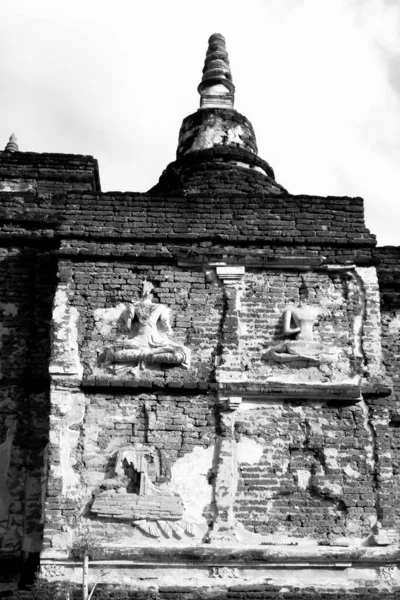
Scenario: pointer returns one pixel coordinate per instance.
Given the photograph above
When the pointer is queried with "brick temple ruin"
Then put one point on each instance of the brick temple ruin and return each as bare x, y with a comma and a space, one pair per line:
202, 379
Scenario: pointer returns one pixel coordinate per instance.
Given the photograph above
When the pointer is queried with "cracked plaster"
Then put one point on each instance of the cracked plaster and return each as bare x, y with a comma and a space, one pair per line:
65, 352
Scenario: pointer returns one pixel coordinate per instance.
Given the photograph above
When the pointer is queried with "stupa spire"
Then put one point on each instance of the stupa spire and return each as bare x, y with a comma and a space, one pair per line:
217, 145
216, 88
12, 145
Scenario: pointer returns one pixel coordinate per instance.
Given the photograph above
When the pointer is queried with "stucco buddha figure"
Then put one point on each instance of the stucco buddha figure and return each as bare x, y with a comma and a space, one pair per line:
147, 336
130, 495
301, 349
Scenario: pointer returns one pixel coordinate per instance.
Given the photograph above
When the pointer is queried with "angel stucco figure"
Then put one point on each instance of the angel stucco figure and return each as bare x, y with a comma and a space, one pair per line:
147, 336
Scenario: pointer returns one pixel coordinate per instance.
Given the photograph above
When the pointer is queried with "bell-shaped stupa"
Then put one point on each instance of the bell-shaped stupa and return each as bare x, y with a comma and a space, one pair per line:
216, 123
217, 148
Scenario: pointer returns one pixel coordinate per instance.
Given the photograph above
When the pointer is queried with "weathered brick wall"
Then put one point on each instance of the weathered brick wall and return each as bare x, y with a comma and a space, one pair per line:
329, 471
15, 302
174, 426
388, 412
219, 170
47, 173
265, 296
313, 475
26, 294
101, 290
253, 219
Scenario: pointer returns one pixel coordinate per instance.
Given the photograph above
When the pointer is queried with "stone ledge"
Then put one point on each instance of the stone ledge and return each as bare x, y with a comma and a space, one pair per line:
376, 389
285, 556
270, 391
137, 386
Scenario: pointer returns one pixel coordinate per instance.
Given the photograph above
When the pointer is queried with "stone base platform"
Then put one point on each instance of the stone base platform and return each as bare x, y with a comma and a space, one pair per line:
204, 566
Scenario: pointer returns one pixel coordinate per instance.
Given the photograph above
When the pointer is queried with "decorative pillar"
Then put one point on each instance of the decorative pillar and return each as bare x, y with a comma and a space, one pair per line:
230, 367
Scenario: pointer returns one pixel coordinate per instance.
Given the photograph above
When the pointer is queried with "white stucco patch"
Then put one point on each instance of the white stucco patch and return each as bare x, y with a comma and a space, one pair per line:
71, 408
303, 478
60, 302
316, 427
368, 275
371, 335
65, 351
189, 479
105, 318
357, 331
348, 469
369, 447
3, 331
18, 185
268, 456
394, 325
249, 451
331, 455
333, 489
218, 133
8, 309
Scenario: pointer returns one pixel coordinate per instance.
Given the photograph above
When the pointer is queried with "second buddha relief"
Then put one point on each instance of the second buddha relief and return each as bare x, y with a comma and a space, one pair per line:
300, 348
304, 325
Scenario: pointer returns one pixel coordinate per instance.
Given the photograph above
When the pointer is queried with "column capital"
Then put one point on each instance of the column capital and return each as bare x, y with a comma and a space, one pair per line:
230, 274
230, 402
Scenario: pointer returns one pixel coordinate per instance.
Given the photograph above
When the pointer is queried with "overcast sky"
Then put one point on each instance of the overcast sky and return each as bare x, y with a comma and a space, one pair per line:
319, 80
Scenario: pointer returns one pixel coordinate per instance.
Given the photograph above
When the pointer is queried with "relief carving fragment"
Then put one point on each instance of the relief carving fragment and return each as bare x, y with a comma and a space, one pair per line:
301, 350
131, 495
51, 571
147, 337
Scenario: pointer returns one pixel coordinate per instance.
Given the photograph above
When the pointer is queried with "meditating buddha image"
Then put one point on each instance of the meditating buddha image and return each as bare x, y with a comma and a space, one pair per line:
147, 336
301, 349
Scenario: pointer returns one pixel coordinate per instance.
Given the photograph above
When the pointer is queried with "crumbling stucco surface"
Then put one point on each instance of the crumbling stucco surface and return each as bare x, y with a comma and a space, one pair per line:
371, 343
65, 353
189, 479
306, 484
68, 411
277, 569
272, 462
194, 303
18, 185
218, 134
89, 432
350, 309
209, 128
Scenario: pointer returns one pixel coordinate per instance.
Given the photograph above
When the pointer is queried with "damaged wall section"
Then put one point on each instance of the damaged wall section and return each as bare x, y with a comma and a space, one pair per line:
315, 477
92, 432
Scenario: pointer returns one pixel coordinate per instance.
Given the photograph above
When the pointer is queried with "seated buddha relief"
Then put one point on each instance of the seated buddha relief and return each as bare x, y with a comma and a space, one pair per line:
300, 349
146, 338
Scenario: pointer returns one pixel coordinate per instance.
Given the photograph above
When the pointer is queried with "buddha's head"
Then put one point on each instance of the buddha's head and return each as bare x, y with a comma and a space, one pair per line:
146, 290
304, 293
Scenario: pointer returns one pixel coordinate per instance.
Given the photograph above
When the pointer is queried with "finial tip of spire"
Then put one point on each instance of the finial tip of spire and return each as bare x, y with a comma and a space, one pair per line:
216, 87
12, 145
215, 37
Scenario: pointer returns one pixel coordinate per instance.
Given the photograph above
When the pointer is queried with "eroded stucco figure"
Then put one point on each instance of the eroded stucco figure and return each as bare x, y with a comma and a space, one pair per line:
130, 495
147, 336
301, 349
